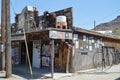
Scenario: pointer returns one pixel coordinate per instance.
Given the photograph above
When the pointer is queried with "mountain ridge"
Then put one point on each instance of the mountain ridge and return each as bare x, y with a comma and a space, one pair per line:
111, 25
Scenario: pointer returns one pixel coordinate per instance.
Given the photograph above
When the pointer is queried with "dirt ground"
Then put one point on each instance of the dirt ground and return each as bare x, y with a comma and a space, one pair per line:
112, 74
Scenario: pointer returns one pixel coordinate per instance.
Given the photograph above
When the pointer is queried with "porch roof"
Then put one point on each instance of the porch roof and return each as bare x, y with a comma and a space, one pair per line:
94, 33
45, 32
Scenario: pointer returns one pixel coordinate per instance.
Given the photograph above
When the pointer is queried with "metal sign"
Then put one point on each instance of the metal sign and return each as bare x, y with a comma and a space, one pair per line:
60, 35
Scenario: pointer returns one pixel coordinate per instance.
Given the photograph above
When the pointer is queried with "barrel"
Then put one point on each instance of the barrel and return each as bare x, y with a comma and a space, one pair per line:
61, 19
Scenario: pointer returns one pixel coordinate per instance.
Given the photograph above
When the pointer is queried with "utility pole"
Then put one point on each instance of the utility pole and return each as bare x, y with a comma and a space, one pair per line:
3, 25
8, 41
94, 24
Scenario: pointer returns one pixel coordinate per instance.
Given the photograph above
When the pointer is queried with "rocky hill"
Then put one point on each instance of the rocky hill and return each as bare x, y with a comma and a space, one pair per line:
113, 25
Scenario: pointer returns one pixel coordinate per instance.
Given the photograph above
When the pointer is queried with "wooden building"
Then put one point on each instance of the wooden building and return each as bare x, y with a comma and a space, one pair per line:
39, 37
74, 48
88, 44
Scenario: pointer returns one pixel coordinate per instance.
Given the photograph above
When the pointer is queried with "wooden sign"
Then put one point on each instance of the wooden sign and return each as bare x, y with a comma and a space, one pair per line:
18, 37
60, 35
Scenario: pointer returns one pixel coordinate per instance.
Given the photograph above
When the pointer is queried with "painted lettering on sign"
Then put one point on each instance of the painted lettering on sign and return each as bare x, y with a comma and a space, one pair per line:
60, 35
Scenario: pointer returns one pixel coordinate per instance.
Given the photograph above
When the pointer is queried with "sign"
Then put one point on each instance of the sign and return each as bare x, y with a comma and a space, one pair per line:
17, 37
60, 35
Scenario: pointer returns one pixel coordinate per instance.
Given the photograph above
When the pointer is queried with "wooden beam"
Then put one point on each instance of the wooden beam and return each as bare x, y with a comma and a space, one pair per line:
68, 59
52, 59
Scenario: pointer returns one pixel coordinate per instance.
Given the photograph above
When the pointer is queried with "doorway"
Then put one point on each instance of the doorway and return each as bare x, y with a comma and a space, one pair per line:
24, 60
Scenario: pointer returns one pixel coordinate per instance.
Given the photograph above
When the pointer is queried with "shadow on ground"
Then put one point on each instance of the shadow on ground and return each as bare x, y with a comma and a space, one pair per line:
118, 78
37, 73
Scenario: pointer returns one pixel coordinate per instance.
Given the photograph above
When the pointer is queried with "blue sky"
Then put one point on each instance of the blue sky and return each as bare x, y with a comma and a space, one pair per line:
84, 11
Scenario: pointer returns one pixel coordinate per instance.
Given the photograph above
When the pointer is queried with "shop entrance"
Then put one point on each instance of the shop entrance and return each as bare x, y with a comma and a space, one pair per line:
24, 60
60, 55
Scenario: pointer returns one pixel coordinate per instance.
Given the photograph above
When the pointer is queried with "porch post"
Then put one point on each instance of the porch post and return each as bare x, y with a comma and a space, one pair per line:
52, 59
73, 51
68, 59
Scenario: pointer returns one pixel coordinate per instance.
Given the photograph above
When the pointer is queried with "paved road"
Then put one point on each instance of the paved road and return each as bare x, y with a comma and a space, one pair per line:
111, 74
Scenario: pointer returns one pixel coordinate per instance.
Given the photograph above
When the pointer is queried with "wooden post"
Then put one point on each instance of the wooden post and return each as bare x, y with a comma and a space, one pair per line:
8, 41
94, 24
73, 53
52, 59
68, 56
27, 52
3, 25
60, 57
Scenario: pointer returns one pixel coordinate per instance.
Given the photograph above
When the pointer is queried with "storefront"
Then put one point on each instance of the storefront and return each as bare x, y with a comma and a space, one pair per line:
39, 47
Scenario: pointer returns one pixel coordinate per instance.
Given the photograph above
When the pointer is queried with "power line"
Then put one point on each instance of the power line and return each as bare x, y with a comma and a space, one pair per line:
99, 20
36, 5
108, 15
12, 7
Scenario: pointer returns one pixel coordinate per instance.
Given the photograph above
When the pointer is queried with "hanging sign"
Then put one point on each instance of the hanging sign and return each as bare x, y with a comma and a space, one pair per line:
60, 35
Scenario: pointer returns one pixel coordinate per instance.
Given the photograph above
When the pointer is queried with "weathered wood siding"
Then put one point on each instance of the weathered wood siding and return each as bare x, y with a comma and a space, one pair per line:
83, 57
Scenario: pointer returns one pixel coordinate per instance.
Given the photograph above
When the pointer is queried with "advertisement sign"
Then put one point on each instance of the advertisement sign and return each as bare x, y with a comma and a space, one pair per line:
60, 35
